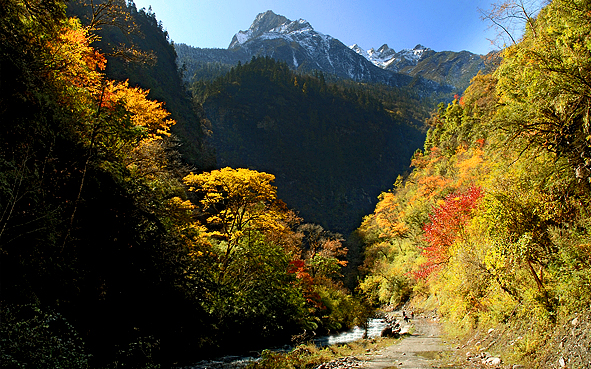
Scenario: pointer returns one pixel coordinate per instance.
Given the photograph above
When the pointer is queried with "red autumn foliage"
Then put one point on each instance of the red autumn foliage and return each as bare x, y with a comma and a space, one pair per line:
298, 267
446, 225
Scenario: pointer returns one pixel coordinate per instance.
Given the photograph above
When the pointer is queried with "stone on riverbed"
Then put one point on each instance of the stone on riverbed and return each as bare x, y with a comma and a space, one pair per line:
342, 363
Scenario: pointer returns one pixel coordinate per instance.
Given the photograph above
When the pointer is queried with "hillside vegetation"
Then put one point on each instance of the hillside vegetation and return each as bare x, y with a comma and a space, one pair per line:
113, 253
333, 147
140, 51
116, 254
492, 228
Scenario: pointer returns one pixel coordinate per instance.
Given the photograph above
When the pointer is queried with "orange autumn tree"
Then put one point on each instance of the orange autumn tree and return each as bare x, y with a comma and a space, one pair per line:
117, 117
74, 61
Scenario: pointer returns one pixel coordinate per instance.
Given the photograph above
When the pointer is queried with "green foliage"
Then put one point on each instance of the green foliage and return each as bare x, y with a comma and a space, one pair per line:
544, 84
32, 338
522, 254
339, 309
259, 299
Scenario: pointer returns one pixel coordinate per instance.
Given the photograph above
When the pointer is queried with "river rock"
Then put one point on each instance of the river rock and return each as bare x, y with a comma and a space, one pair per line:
493, 361
342, 363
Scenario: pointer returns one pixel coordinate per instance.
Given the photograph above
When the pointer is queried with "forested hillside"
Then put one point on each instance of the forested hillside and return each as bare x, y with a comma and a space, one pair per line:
113, 254
139, 50
120, 249
451, 68
333, 147
493, 226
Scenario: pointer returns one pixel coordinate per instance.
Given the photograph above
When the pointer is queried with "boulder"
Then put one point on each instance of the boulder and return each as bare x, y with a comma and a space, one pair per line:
390, 331
493, 361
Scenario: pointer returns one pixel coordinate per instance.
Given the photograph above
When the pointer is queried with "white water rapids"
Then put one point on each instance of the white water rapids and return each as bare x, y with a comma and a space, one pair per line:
374, 329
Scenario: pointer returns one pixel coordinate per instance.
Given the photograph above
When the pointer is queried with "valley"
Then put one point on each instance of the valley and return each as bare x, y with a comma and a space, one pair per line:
162, 204
349, 124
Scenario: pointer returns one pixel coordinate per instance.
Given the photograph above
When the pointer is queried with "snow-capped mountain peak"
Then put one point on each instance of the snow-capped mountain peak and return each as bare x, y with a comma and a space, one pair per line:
387, 58
359, 51
300, 25
417, 52
270, 25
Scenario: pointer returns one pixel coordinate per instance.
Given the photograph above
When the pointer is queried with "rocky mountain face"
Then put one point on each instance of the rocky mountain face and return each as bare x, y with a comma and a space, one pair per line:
444, 67
298, 44
305, 50
387, 58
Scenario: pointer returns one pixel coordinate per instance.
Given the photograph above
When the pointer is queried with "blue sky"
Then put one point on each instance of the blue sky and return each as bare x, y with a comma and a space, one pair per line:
438, 24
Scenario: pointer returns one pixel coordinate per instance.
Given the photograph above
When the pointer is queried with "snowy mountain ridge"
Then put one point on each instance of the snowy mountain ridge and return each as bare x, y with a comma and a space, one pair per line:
270, 26
299, 44
387, 58
306, 50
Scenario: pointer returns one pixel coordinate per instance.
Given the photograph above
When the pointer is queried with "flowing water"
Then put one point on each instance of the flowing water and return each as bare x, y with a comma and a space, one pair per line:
374, 329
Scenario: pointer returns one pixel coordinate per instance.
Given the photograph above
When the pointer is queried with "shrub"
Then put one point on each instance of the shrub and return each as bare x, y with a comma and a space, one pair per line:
32, 338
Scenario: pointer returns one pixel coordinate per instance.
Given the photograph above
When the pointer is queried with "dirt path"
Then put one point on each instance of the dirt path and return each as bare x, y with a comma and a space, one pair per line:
422, 349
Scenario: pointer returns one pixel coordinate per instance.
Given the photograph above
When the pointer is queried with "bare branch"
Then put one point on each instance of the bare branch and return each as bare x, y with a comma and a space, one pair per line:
511, 18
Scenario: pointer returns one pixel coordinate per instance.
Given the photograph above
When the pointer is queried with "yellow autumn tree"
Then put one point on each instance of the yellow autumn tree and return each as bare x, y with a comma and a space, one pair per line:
237, 199
147, 123
149, 115
239, 203
250, 251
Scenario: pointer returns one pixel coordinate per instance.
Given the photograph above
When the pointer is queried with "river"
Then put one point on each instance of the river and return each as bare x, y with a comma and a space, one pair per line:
374, 329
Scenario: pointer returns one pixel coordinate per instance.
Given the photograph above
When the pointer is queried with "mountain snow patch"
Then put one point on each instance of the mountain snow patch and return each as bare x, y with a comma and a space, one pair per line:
385, 56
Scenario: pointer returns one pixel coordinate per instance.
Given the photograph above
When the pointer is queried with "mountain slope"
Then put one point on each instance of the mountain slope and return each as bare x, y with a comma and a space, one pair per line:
444, 67
303, 49
332, 148
155, 69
